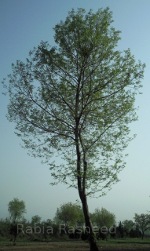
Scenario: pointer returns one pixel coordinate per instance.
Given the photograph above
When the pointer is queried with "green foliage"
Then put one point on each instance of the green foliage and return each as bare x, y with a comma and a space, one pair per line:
128, 225
143, 222
4, 227
73, 103
16, 209
103, 218
69, 214
36, 219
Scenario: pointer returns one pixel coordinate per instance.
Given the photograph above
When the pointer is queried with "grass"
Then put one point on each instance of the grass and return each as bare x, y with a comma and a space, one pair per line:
120, 244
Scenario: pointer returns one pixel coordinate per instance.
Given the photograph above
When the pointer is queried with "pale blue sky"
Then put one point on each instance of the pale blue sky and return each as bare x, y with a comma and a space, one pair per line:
23, 24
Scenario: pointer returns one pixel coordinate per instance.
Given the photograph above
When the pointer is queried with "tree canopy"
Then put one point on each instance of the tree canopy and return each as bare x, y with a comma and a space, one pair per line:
102, 217
36, 219
69, 214
77, 97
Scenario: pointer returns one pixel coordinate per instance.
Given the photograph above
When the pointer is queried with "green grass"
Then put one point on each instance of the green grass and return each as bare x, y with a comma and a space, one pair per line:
125, 244
118, 244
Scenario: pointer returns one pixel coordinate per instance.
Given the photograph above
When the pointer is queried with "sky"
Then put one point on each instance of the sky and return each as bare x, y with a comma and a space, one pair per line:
23, 25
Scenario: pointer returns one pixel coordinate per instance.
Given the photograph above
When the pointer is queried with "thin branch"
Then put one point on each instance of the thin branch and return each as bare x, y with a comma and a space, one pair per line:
105, 131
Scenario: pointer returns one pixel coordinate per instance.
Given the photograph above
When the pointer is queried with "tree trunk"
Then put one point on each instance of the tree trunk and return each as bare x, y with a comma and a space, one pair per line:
81, 180
91, 238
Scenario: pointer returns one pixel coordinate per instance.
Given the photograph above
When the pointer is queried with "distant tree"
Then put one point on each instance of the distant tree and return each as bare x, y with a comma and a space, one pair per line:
4, 227
135, 232
143, 222
128, 225
120, 230
48, 228
102, 217
37, 231
69, 214
36, 219
16, 210
76, 101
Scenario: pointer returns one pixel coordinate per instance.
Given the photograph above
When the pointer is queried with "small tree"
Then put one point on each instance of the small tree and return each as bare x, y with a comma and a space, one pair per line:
128, 225
37, 230
69, 214
4, 227
103, 218
143, 222
76, 101
16, 210
36, 219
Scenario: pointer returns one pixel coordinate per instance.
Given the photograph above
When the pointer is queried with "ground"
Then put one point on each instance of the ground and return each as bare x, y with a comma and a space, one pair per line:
77, 246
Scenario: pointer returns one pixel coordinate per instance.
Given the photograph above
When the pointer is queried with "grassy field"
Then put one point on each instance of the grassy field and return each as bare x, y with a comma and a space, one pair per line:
117, 245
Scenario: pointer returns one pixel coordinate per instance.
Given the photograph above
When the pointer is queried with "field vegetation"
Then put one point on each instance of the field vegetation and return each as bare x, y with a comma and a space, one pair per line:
72, 245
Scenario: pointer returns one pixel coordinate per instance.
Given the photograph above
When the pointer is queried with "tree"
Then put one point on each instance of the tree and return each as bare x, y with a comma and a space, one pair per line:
73, 103
103, 218
69, 214
36, 219
128, 225
16, 210
4, 227
143, 222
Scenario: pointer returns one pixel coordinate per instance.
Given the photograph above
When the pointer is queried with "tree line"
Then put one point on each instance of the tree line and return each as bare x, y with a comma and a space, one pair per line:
69, 223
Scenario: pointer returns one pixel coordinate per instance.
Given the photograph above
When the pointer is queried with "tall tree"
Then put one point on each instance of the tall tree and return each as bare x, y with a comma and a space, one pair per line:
74, 103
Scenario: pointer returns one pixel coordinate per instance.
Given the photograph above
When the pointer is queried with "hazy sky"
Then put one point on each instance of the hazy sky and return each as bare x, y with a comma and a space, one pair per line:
23, 24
